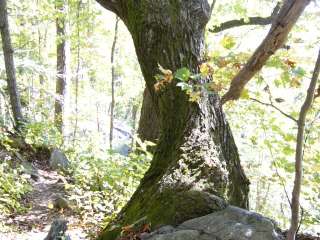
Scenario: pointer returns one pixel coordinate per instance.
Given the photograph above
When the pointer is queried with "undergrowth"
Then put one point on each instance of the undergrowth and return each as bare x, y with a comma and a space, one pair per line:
13, 184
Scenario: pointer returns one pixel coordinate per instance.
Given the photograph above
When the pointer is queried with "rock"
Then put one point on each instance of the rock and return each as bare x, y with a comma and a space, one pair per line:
122, 149
60, 202
30, 170
178, 235
165, 229
231, 223
59, 161
58, 230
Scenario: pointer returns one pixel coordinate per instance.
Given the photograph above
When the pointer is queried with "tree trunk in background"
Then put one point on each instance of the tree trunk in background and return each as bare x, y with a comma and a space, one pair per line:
148, 129
77, 74
113, 79
196, 162
63, 63
9, 64
295, 202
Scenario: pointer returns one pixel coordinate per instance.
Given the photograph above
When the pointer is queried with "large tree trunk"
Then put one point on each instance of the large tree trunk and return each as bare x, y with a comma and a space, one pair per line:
9, 63
148, 129
196, 163
63, 64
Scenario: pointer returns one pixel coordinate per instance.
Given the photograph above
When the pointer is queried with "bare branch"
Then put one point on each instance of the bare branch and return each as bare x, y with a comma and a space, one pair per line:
245, 22
275, 107
275, 39
212, 5
241, 22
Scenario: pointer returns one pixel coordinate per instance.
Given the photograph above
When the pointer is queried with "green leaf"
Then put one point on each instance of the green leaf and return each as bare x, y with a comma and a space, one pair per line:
182, 74
299, 72
245, 94
287, 150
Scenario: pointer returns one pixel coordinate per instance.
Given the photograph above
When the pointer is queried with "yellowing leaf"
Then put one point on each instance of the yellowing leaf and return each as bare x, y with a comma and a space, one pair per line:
50, 205
206, 69
194, 96
295, 82
222, 62
164, 71
228, 42
216, 87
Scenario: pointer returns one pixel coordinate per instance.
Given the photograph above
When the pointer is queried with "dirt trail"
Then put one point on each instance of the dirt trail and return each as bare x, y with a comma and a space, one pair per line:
35, 224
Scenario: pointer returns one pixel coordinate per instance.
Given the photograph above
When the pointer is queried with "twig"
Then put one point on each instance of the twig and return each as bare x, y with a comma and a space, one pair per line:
275, 107
212, 5
301, 218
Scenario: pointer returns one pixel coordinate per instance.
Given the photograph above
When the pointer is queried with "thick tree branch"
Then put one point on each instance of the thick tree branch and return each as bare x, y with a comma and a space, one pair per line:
112, 5
277, 36
243, 22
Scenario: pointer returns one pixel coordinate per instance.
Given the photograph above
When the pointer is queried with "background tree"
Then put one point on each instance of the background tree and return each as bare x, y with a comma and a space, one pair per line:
295, 203
63, 61
9, 64
113, 80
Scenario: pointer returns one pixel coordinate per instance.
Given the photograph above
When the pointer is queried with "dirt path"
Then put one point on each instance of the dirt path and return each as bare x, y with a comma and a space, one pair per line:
35, 224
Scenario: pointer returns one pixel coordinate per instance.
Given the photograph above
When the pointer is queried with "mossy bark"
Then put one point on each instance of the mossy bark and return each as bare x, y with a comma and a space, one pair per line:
196, 167
149, 120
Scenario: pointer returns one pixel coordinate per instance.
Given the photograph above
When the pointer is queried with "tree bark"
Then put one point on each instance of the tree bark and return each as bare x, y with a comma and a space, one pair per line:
63, 63
9, 64
148, 129
196, 165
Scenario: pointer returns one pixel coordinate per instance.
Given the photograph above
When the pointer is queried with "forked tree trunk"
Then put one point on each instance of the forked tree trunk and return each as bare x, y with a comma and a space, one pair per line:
196, 162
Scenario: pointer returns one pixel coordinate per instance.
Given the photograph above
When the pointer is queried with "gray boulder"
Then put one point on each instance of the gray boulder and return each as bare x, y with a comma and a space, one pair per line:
59, 161
231, 223
122, 149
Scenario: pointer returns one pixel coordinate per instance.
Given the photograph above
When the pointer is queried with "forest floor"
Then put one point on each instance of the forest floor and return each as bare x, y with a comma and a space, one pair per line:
35, 223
